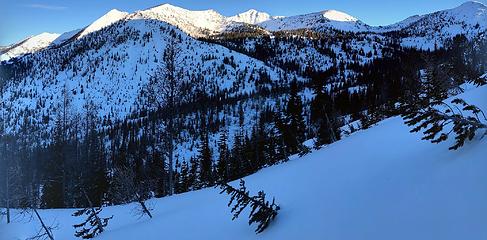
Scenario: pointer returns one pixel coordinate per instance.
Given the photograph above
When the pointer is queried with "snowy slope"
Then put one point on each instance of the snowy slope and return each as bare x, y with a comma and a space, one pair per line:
392, 186
317, 21
65, 36
251, 16
194, 23
399, 25
469, 19
106, 20
29, 45
113, 65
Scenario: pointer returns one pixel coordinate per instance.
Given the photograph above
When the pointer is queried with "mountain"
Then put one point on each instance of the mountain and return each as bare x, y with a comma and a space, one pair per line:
293, 105
433, 29
66, 36
391, 186
29, 45
251, 16
106, 20
320, 21
44, 40
421, 31
113, 65
194, 23
399, 25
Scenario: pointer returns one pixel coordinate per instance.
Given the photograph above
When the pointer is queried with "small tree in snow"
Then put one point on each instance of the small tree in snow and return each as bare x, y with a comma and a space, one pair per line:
45, 232
93, 225
434, 121
126, 189
262, 212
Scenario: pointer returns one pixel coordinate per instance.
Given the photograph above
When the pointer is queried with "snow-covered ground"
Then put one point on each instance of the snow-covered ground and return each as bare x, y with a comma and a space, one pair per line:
381, 183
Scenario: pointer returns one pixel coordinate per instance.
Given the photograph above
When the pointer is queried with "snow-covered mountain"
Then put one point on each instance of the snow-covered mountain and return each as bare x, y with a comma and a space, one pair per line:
66, 36
320, 21
251, 16
423, 31
111, 67
391, 186
194, 23
29, 45
125, 49
433, 29
106, 20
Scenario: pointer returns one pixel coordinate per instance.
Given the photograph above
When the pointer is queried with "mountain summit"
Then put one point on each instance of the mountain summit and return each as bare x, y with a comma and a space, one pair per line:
251, 16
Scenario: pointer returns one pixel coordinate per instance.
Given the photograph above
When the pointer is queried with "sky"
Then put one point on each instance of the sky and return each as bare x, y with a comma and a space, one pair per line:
22, 18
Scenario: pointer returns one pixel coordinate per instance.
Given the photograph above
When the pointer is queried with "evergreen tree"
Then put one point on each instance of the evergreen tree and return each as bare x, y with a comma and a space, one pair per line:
93, 225
295, 120
206, 162
262, 212
53, 190
432, 122
184, 181
222, 168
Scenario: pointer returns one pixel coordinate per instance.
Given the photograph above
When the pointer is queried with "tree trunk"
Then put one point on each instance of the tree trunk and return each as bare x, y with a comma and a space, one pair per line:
330, 128
8, 197
144, 207
98, 220
171, 154
46, 229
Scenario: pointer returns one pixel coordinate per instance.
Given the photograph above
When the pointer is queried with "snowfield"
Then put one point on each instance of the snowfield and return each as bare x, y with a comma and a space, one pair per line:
381, 183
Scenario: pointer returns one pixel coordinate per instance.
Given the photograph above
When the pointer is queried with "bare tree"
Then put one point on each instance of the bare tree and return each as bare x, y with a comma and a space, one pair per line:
126, 189
45, 232
164, 93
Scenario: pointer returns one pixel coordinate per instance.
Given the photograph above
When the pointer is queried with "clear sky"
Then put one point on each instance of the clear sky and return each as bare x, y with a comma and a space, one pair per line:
23, 18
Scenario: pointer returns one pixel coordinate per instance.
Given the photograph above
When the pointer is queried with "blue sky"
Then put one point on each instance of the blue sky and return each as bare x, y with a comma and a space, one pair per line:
22, 18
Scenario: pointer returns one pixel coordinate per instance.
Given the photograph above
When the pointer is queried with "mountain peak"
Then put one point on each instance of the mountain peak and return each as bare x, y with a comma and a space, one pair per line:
338, 16
108, 19
29, 45
251, 16
472, 4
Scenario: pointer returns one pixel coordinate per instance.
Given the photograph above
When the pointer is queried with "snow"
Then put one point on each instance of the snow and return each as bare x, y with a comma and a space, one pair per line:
422, 31
338, 16
65, 36
115, 86
108, 19
194, 23
251, 16
469, 19
399, 25
379, 184
319, 21
30, 45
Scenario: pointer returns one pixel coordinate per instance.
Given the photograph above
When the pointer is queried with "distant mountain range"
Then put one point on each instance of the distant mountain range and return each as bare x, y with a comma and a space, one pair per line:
422, 31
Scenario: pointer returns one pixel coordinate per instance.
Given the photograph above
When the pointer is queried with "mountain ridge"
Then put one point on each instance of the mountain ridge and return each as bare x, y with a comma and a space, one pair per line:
204, 23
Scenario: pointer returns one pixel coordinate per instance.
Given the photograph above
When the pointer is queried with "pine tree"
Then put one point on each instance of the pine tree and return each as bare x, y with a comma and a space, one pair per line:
435, 80
194, 180
94, 224
53, 190
236, 157
222, 168
432, 122
262, 211
95, 180
184, 181
206, 162
295, 120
